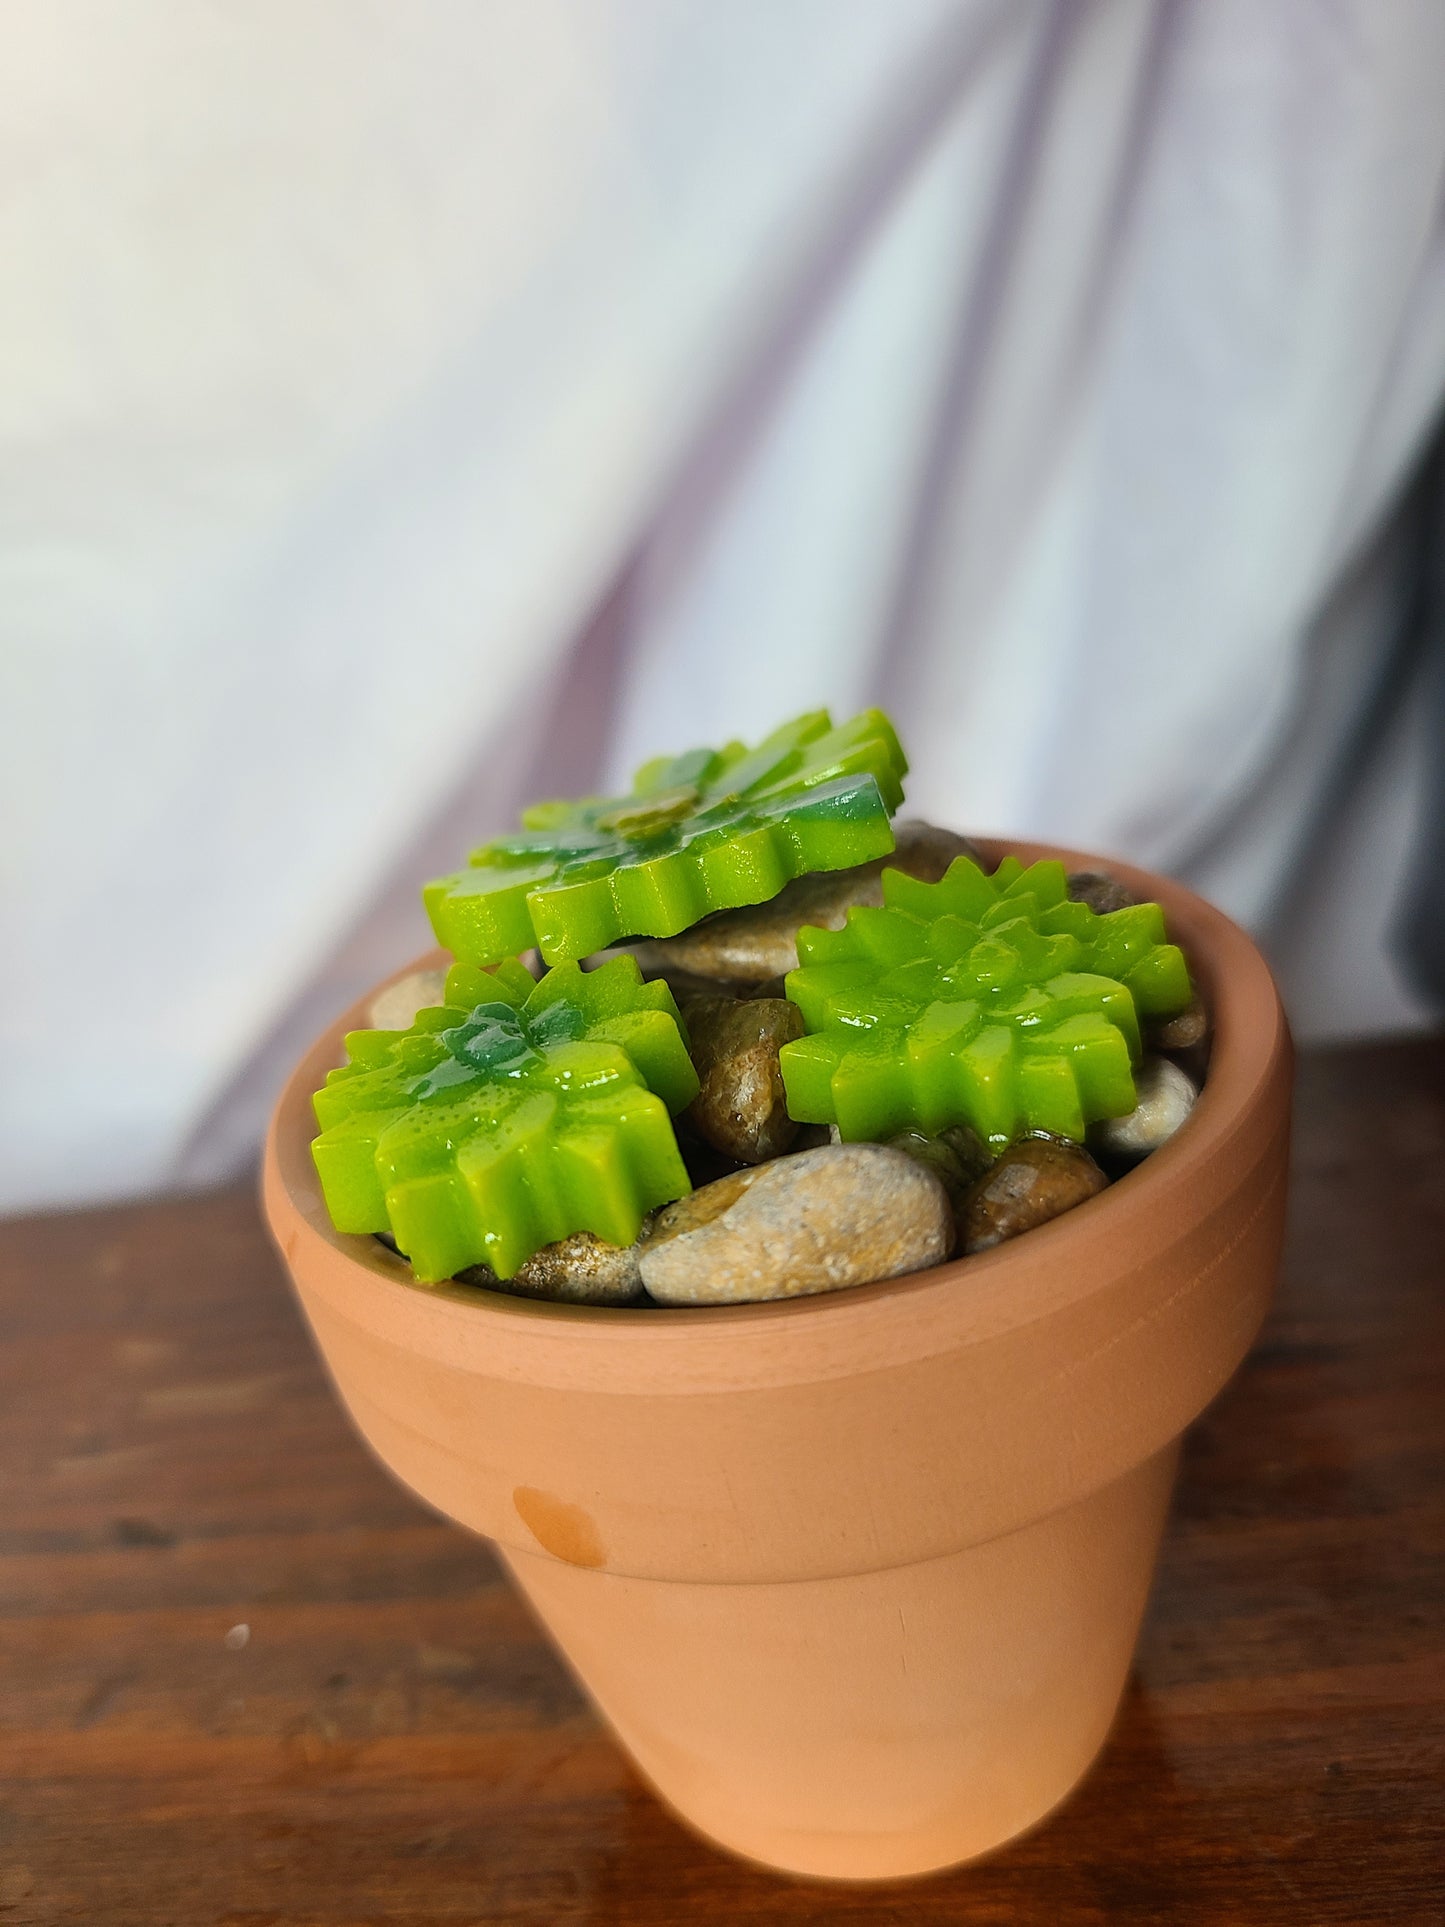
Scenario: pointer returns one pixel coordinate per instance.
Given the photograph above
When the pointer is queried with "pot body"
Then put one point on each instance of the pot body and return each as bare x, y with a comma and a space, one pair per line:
879, 1724
856, 1579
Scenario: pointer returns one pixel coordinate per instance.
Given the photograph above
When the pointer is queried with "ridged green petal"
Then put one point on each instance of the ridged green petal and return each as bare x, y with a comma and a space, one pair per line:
511, 1118
988, 1001
709, 830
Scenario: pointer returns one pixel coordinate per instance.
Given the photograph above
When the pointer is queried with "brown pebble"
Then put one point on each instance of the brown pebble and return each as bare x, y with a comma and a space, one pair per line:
1186, 1030
741, 1107
1102, 892
1186, 1039
1033, 1180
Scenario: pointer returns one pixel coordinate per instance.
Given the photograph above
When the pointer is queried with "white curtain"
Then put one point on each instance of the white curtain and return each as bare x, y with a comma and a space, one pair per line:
409, 410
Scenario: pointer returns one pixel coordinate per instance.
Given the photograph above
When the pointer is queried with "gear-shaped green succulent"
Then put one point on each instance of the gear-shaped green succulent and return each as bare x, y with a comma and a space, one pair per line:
511, 1116
711, 830
989, 1001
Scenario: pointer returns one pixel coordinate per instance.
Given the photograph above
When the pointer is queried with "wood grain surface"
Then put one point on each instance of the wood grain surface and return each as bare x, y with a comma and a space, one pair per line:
389, 1740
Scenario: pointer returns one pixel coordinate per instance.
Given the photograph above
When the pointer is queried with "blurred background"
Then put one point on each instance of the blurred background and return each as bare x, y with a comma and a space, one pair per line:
409, 412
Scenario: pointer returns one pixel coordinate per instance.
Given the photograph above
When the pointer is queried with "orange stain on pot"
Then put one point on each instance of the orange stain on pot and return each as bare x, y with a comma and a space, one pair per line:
564, 1530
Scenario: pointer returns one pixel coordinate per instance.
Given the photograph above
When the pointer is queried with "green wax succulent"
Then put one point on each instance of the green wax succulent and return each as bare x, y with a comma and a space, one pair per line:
512, 1115
989, 1001
711, 830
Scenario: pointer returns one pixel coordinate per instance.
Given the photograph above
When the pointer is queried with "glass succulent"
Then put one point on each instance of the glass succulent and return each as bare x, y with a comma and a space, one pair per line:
989, 1001
511, 1116
710, 830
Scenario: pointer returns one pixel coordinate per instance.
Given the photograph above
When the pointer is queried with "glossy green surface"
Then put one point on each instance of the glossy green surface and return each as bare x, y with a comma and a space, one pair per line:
510, 1116
989, 1001
711, 830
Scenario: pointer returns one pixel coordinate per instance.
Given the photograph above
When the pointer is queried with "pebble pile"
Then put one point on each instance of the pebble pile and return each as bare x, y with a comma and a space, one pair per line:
782, 1210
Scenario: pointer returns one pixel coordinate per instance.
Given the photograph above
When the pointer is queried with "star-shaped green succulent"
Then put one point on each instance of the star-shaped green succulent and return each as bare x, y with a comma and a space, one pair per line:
508, 1117
711, 830
989, 1001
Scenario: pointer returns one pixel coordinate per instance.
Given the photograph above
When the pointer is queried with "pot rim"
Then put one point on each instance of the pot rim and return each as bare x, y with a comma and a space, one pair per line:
710, 1349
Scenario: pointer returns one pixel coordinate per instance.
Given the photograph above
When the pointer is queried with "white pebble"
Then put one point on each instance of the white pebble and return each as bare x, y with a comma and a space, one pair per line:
1166, 1097
238, 1637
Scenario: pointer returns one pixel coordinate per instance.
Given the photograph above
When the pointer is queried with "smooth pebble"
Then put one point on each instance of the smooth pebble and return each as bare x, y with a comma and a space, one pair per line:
741, 1108
817, 1221
1032, 1180
1166, 1097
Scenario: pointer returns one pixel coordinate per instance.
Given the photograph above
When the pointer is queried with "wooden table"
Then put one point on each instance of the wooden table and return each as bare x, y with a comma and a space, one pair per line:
246, 1679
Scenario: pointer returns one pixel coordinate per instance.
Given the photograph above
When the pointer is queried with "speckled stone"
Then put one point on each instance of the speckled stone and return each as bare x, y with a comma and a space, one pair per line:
817, 1221
747, 946
396, 1007
580, 1270
1033, 1180
1166, 1097
741, 1107
1101, 891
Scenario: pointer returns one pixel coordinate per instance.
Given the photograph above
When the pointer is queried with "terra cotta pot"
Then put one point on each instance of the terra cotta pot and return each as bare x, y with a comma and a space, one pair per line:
855, 1578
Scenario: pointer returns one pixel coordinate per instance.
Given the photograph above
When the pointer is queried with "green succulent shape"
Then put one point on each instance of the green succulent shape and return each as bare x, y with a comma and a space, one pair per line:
989, 1001
510, 1116
711, 830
